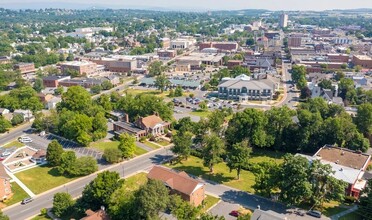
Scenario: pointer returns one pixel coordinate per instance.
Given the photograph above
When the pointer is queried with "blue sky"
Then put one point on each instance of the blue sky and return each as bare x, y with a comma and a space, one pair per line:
205, 4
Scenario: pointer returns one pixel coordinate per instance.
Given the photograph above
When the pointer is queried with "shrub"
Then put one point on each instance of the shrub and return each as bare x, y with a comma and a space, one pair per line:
112, 155
142, 139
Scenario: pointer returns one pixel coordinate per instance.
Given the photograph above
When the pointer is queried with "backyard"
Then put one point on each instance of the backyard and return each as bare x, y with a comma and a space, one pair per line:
42, 178
102, 145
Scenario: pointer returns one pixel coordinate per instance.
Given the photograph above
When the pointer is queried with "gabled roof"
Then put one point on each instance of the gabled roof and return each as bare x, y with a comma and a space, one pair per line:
3, 173
180, 182
151, 121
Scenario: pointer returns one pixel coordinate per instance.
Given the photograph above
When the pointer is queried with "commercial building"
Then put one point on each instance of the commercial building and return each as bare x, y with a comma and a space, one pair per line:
348, 166
283, 20
119, 65
87, 82
82, 67
233, 63
344, 58
166, 54
25, 68
294, 41
166, 42
87, 32
204, 58
190, 189
221, 46
243, 88
53, 81
342, 41
182, 42
362, 60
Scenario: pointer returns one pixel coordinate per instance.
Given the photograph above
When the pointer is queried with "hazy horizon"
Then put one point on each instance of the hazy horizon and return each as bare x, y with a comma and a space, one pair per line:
197, 5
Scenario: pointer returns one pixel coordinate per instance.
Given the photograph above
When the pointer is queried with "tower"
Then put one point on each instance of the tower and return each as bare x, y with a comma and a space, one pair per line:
283, 22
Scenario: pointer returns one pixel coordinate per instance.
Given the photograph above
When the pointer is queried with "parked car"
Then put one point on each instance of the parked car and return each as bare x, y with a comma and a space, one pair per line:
314, 213
234, 213
42, 133
24, 139
27, 200
5, 154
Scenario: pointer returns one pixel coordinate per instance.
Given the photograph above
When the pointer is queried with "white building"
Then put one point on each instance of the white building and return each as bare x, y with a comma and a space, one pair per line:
182, 42
283, 22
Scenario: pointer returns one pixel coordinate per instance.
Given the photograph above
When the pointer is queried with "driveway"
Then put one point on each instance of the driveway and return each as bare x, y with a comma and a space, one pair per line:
224, 208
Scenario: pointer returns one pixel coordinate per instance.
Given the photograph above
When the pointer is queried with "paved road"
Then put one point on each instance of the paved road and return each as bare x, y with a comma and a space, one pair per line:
20, 212
14, 134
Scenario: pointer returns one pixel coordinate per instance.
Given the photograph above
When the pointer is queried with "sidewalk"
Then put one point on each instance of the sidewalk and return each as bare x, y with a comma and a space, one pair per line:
23, 186
339, 215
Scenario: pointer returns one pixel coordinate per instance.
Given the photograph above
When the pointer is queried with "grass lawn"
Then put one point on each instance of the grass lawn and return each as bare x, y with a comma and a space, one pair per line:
163, 142
152, 145
222, 173
102, 145
208, 202
332, 208
351, 216
146, 91
14, 144
199, 113
133, 183
41, 217
42, 178
18, 194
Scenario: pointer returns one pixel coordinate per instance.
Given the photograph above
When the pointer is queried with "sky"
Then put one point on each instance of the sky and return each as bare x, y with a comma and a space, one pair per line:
196, 4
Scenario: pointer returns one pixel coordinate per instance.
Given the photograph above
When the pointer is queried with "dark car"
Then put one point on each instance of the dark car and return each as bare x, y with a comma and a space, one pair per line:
234, 213
27, 200
314, 213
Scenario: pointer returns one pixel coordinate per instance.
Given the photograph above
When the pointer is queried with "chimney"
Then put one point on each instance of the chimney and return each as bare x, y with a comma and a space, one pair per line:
126, 118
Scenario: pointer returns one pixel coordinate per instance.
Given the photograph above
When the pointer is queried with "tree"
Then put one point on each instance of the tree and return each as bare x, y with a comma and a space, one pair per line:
54, 153
363, 119
178, 92
181, 209
112, 155
203, 106
38, 85
365, 205
208, 216
62, 204
161, 82
325, 84
99, 126
68, 159
106, 85
17, 119
250, 41
152, 197
298, 72
305, 93
345, 85
4, 124
213, 149
99, 191
238, 156
70, 57
127, 145
96, 89
76, 99
182, 144
3, 217
83, 166
59, 90
104, 101
155, 68
266, 177
339, 75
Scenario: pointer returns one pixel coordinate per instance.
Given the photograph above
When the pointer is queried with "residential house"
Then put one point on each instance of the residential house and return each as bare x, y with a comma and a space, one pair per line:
5, 187
348, 166
190, 189
259, 214
4, 111
27, 114
98, 215
327, 95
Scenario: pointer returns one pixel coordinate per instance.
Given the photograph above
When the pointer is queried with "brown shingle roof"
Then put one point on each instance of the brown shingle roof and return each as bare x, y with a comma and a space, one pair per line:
39, 154
3, 173
180, 182
344, 157
151, 121
99, 215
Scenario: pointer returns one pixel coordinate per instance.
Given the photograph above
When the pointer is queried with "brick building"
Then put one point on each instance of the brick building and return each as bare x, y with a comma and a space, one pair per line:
117, 65
232, 63
53, 81
362, 60
83, 67
294, 41
222, 46
344, 58
25, 68
190, 189
166, 54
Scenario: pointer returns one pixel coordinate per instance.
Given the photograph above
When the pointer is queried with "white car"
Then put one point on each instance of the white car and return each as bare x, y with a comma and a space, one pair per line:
25, 140
5, 154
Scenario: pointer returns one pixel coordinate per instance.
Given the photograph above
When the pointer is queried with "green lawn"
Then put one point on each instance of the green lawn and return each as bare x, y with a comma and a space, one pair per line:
222, 173
42, 178
208, 202
102, 145
18, 195
163, 142
152, 145
332, 208
133, 183
14, 144
351, 216
202, 114
41, 217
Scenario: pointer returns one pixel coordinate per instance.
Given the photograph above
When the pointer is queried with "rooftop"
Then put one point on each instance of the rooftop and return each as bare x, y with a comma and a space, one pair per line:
77, 63
363, 57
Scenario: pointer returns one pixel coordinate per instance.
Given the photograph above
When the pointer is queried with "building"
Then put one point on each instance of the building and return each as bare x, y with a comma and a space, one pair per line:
202, 58
242, 88
283, 20
166, 54
39, 157
25, 68
82, 67
294, 41
98, 215
348, 166
84, 82
5, 187
166, 42
183, 42
233, 63
342, 41
87, 32
26, 114
259, 214
53, 81
142, 127
190, 189
221, 46
362, 60
344, 58
4, 60
119, 65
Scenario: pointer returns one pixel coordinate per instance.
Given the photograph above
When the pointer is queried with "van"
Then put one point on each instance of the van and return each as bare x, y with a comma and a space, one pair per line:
24, 139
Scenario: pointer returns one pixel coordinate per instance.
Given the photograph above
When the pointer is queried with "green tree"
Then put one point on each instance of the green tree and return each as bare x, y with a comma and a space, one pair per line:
339, 75
76, 99
127, 145
62, 204
104, 101
96, 89
4, 124
182, 144
238, 156
325, 84
99, 126
345, 85
178, 92
365, 205
99, 191
112, 155
203, 106
83, 166
38, 85
213, 149
3, 217
208, 216
363, 118
161, 82
153, 197
266, 177
54, 153
59, 90
106, 85
181, 209
17, 119
70, 57
155, 68
68, 159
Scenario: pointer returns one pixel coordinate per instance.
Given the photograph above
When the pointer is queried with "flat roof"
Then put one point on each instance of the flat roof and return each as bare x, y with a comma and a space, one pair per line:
363, 57
202, 57
77, 63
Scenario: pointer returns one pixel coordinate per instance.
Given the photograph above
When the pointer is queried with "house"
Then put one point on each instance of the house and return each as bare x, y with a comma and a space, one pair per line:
52, 103
98, 215
259, 214
4, 111
190, 190
39, 157
5, 187
327, 95
348, 166
27, 114
142, 127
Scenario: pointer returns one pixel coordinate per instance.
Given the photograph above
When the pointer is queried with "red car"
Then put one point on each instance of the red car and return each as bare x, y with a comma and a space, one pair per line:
234, 213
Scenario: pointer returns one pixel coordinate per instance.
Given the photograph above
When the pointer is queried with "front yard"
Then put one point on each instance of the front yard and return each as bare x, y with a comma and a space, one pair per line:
202, 114
42, 178
102, 145
18, 195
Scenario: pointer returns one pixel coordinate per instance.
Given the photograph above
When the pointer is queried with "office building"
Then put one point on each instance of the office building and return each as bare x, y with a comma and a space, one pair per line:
283, 22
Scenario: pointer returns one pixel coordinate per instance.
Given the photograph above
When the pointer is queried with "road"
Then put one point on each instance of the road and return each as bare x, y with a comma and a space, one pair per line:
75, 188
14, 134
291, 97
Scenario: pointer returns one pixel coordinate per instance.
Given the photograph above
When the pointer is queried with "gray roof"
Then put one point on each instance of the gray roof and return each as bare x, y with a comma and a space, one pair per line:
249, 84
259, 214
181, 82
